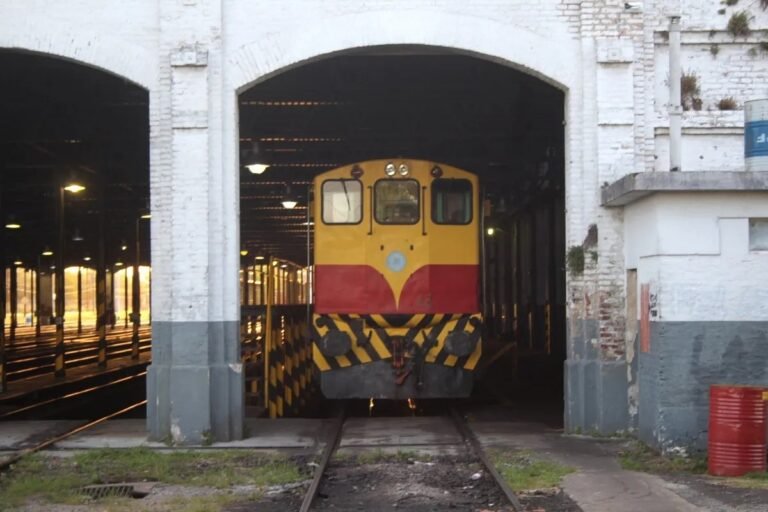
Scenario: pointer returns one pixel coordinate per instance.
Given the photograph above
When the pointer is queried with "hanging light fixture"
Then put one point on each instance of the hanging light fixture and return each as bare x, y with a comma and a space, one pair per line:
257, 168
47, 251
244, 252
289, 200
74, 187
76, 236
12, 223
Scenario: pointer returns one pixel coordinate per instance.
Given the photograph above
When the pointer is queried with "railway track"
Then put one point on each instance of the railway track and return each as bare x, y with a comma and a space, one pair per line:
51, 406
36, 358
8, 462
470, 441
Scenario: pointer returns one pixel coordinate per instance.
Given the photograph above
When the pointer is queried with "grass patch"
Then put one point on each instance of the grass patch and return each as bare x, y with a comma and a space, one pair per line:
526, 471
56, 479
639, 457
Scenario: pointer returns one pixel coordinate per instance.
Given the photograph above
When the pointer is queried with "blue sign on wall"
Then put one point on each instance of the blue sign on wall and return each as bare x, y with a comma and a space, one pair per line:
756, 139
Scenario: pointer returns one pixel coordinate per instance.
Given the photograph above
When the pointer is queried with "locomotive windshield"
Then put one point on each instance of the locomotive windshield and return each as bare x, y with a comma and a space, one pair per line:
342, 202
397, 201
451, 201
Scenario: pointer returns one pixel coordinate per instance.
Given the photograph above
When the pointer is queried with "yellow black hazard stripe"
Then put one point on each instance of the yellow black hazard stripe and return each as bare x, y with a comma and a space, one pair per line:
372, 337
289, 380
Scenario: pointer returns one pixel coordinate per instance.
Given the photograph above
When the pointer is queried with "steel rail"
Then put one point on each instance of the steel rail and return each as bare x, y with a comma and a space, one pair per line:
330, 447
6, 464
470, 437
69, 396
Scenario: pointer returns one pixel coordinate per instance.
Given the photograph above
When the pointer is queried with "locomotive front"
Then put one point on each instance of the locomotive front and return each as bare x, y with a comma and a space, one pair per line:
396, 280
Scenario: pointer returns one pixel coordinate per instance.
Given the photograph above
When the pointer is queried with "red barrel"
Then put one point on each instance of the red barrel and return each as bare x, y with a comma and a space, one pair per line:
737, 430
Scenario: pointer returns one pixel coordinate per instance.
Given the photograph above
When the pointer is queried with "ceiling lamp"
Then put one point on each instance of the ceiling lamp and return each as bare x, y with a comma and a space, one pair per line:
146, 215
260, 257
47, 251
12, 223
86, 258
289, 200
257, 168
76, 236
74, 187
244, 252
18, 263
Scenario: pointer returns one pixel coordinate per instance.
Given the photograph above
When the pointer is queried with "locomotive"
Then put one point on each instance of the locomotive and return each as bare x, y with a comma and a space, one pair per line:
396, 287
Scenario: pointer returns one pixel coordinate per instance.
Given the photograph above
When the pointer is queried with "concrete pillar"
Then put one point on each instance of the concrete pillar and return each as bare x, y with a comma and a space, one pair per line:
195, 384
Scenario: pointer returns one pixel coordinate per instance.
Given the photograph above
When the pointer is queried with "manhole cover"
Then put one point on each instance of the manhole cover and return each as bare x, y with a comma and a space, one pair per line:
121, 490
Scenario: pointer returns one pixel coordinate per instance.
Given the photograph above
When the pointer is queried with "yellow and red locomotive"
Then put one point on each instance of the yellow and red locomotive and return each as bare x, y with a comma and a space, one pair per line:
396, 291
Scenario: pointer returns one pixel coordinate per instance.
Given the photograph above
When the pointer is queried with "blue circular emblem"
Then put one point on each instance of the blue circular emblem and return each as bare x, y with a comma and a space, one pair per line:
396, 261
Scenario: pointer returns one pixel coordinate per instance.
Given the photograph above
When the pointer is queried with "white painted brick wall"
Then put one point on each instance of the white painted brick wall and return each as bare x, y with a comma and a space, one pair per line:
611, 62
694, 249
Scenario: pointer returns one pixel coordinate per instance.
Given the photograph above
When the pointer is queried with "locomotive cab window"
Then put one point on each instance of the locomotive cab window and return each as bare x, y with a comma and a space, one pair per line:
396, 201
451, 201
342, 202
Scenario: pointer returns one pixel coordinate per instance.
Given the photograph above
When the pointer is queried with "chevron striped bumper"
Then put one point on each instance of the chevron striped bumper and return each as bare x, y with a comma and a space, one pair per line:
412, 352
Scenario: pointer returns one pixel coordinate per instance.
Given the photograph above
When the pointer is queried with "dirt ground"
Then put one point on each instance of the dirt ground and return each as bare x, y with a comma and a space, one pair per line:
446, 483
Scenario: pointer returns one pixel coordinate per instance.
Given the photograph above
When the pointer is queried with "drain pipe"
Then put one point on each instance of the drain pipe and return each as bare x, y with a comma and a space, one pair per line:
675, 99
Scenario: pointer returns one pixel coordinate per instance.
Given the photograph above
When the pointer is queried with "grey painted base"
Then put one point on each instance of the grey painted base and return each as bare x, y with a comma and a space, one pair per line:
596, 397
684, 360
595, 391
195, 385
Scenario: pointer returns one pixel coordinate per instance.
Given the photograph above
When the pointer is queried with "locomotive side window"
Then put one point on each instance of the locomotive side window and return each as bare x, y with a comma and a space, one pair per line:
396, 201
451, 201
342, 202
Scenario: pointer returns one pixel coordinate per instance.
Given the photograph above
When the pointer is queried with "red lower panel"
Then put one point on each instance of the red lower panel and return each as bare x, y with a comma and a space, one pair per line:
362, 289
352, 289
441, 289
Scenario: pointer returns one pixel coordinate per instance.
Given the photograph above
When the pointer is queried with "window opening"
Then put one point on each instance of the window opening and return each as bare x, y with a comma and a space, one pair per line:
396, 201
451, 201
342, 202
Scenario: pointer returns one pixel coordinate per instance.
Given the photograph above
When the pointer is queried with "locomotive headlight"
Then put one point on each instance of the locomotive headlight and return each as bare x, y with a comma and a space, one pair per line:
335, 343
459, 343
403, 169
390, 169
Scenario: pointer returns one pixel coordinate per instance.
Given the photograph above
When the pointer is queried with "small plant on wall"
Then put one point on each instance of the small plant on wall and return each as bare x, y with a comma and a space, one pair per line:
738, 25
575, 259
728, 103
714, 49
690, 90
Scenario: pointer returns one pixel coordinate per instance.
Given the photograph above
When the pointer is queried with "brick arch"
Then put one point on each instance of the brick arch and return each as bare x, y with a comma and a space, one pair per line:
552, 58
96, 50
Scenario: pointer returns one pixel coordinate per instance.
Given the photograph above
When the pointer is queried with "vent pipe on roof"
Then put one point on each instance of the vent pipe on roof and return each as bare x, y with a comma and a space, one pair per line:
675, 97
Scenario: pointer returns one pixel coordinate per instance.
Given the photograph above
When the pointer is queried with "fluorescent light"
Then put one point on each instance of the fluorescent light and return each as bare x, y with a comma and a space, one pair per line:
289, 203
257, 168
12, 224
260, 257
18, 262
86, 258
146, 216
47, 252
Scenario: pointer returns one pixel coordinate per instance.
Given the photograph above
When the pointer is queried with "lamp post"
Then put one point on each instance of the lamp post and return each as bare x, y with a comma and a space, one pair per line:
59, 370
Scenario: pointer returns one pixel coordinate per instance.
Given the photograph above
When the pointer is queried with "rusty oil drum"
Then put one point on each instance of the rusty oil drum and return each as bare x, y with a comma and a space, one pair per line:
737, 430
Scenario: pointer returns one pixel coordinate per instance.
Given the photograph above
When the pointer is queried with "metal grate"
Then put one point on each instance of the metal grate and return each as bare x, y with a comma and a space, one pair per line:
112, 491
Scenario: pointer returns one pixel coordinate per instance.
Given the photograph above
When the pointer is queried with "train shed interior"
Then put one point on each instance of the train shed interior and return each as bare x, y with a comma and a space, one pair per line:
431, 104
74, 194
